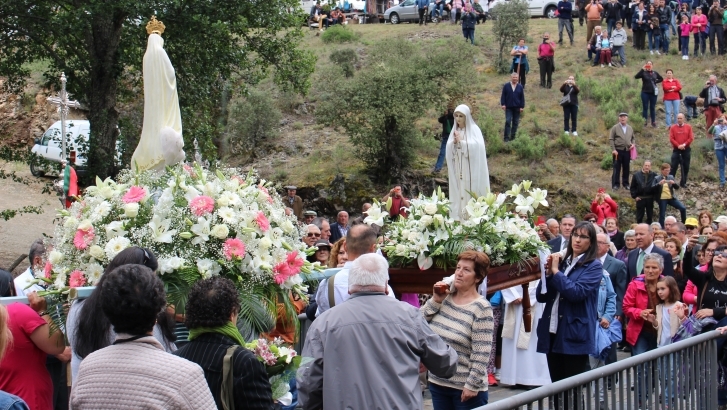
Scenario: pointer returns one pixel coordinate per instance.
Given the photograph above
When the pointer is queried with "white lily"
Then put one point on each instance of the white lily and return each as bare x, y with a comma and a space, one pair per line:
202, 230
160, 229
515, 191
526, 184
374, 216
115, 228
539, 195
524, 205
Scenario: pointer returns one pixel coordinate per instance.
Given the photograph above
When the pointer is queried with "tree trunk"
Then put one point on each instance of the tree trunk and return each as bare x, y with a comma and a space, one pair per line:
103, 43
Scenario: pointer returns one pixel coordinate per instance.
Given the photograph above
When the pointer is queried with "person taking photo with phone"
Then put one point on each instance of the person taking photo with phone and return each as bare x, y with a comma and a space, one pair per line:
570, 109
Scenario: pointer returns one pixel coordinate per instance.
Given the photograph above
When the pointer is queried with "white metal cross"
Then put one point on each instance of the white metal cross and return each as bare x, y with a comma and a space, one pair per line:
63, 104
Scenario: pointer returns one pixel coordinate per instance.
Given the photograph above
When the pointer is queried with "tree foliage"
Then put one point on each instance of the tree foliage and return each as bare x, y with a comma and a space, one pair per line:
252, 119
399, 82
510, 26
99, 44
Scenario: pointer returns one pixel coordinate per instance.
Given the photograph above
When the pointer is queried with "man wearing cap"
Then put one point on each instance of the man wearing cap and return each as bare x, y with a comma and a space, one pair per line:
621, 139
691, 226
721, 222
294, 202
309, 216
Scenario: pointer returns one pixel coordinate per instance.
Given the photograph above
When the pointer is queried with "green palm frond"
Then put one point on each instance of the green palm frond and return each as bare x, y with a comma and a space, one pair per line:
257, 312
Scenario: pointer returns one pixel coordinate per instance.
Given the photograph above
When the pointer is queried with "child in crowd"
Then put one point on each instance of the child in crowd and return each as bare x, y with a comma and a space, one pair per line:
666, 322
605, 47
684, 29
654, 36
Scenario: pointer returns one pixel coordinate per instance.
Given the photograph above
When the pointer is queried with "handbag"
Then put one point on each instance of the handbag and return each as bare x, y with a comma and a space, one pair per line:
566, 98
634, 154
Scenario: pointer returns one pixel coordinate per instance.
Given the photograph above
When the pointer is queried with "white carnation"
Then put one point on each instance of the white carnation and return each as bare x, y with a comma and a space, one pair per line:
101, 211
94, 272
168, 265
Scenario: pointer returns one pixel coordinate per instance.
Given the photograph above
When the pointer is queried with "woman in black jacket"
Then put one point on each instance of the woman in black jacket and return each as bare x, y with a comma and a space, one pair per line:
469, 19
570, 109
649, 91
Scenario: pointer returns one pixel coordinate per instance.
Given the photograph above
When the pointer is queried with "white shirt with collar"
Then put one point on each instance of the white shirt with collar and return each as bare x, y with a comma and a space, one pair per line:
22, 282
563, 243
340, 290
649, 249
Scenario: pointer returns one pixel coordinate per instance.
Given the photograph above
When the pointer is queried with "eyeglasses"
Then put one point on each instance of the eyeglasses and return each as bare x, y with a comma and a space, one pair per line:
711, 251
313, 235
603, 243
581, 237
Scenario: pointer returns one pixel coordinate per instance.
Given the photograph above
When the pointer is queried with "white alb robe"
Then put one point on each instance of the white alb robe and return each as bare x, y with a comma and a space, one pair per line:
466, 165
519, 366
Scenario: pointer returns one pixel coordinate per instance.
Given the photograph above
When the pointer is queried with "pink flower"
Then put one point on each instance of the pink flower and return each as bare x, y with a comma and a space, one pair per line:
262, 221
134, 194
83, 238
77, 279
189, 170
290, 267
47, 270
202, 205
233, 248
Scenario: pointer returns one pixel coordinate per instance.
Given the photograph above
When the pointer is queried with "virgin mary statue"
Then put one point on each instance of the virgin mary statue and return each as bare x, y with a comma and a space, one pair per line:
466, 162
161, 142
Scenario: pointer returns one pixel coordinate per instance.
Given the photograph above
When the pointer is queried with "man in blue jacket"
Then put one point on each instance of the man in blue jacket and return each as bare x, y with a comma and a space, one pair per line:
565, 19
512, 101
422, 6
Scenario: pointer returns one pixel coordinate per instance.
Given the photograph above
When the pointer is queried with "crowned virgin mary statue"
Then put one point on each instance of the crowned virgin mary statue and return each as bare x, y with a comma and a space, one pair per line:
161, 142
466, 162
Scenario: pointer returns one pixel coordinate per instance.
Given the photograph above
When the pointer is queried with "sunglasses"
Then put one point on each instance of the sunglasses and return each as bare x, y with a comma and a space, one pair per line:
722, 253
313, 235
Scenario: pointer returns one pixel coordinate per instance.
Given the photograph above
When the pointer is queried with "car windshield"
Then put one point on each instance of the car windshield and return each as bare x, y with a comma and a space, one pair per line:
408, 3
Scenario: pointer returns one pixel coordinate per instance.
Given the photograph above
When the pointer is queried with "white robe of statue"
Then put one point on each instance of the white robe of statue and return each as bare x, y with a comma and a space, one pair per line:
161, 142
522, 366
466, 163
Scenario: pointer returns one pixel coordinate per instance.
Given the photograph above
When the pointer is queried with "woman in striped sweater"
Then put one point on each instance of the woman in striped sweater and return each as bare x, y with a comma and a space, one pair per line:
463, 318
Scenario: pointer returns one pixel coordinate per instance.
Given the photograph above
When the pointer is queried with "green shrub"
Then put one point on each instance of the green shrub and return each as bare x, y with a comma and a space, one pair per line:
510, 25
493, 141
565, 141
346, 59
607, 161
297, 125
529, 148
288, 101
251, 119
339, 34
579, 147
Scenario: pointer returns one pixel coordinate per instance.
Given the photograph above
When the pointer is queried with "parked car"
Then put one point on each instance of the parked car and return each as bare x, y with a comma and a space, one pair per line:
353, 5
49, 146
407, 11
537, 8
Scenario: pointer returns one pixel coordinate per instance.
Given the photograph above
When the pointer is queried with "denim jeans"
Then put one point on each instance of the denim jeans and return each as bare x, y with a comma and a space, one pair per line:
674, 203
469, 34
715, 30
570, 112
672, 109
439, 10
648, 103
683, 158
654, 41
664, 37
512, 120
447, 398
611, 25
645, 342
721, 155
568, 28
442, 152
699, 41
685, 45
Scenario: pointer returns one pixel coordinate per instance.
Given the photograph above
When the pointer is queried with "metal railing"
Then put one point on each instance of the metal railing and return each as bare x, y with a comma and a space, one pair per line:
682, 375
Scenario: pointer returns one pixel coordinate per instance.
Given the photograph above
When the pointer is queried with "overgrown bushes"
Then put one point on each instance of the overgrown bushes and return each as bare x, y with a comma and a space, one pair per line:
529, 148
511, 25
346, 59
339, 34
252, 118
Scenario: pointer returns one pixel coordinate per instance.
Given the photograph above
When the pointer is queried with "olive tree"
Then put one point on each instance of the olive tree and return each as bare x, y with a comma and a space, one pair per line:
511, 24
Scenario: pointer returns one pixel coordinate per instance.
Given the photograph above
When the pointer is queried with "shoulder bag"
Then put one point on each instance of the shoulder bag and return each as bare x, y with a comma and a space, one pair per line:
566, 98
226, 397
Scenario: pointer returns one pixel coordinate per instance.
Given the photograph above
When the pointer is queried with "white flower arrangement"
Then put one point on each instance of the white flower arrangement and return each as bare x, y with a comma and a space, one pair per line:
497, 224
197, 222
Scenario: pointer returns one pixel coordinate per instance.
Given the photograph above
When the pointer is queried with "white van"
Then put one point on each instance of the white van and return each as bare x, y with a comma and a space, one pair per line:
49, 146
538, 8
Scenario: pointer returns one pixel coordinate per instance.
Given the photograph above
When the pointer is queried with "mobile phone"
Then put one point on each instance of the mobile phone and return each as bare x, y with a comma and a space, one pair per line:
540, 221
702, 239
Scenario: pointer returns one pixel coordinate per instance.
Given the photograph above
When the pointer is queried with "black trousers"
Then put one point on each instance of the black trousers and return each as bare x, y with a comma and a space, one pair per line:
645, 205
422, 16
547, 65
718, 32
640, 39
58, 375
562, 366
621, 166
682, 157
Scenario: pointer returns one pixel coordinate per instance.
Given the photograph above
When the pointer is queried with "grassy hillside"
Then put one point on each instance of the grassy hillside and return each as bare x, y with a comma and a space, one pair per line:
570, 168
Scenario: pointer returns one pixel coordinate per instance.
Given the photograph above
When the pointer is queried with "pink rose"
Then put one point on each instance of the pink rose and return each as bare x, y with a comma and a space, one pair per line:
83, 238
233, 248
77, 279
202, 205
134, 194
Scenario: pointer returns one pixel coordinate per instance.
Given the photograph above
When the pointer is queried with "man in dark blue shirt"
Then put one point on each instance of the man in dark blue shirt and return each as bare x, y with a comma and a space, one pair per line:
512, 101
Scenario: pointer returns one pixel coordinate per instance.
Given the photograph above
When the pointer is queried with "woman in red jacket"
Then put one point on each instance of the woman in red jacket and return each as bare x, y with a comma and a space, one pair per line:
604, 207
672, 86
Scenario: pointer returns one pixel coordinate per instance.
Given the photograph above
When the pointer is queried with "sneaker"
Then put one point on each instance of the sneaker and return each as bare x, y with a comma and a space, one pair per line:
627, 187
601, 65
491, 380
652, 53
658, 53
566, 132
575, 133
610, 65
686, 57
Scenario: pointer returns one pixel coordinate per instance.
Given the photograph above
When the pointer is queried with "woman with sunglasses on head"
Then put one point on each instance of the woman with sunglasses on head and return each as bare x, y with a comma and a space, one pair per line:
566, 331
89, 329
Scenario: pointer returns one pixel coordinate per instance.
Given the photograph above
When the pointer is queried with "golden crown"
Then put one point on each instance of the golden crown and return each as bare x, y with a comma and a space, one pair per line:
155, 26
464, 99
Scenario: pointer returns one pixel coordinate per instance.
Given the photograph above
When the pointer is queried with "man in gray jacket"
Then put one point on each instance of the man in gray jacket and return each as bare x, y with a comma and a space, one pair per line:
618, 40
622, 141
366, 351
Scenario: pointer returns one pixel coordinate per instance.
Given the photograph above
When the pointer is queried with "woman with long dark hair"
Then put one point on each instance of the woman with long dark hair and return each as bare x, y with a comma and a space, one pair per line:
89, 329
567, 329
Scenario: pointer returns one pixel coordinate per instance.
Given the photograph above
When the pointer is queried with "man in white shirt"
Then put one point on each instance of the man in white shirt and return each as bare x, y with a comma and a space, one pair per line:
567, 223
35, 257
360, 240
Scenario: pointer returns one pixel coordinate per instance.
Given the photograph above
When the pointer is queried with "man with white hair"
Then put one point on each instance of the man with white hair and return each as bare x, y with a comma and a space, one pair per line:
339, 229
553, 226
312, 235
366, 352
669, 222
324, 226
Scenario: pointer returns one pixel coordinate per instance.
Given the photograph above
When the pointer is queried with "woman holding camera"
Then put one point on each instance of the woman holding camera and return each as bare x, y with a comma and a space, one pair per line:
649, 91
570, 109
720, 148
567, 331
